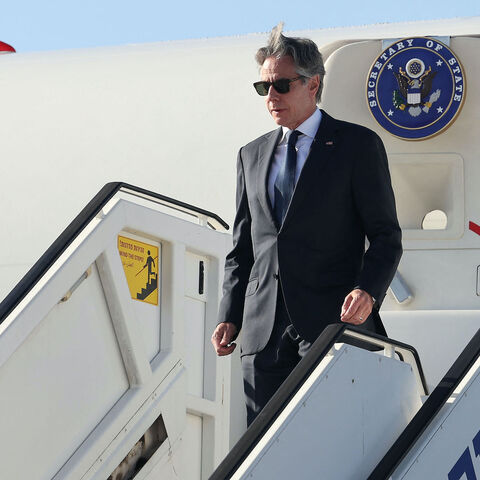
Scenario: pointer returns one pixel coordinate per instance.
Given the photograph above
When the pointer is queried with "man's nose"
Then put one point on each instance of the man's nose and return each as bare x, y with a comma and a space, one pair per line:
272, 93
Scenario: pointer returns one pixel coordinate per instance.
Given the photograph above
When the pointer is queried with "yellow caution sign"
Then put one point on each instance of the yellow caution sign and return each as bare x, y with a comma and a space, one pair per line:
140, 264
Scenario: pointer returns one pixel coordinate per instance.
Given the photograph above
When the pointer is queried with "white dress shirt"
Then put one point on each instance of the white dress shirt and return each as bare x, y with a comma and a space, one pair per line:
308, 129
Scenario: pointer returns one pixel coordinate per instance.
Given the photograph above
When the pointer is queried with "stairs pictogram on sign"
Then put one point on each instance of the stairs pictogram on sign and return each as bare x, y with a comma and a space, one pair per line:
141, 266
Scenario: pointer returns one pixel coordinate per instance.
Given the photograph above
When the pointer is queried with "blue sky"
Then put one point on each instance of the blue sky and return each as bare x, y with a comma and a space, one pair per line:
58, 24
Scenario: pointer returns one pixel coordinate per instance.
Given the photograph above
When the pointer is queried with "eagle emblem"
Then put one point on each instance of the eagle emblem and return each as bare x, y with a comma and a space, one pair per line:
415, 87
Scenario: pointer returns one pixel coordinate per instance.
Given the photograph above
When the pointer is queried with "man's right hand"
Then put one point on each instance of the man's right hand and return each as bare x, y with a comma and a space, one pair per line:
222, 338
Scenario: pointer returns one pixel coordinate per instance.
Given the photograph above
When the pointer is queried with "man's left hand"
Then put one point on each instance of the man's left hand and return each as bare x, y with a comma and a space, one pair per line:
356, 307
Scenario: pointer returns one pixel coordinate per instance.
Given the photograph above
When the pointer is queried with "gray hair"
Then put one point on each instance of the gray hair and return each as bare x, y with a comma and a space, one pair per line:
306, 56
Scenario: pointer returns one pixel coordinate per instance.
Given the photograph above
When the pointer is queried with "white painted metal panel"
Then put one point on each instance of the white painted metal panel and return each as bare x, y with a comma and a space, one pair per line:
341, 421
450, 447
59, 384
438, 335
196, 267
426, 182
439, 280
192, 466
194, 334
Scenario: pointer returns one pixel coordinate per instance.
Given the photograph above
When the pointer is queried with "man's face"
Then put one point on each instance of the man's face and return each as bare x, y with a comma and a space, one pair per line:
292, 108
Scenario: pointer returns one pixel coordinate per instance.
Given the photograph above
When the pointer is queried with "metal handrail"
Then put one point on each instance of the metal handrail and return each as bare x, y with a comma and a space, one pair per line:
90, 211
406, 353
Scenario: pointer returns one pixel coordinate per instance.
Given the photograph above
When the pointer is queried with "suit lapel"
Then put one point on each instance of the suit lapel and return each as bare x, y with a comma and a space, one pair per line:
265, 157
321, 153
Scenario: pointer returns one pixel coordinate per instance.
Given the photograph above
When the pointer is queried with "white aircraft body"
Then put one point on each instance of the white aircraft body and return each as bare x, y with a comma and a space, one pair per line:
167, 116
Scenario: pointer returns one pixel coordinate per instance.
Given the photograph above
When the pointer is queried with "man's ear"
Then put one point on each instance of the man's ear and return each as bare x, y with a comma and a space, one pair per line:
314, 84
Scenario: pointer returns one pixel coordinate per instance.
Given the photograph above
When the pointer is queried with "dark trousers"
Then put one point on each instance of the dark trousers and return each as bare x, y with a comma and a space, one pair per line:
265, 371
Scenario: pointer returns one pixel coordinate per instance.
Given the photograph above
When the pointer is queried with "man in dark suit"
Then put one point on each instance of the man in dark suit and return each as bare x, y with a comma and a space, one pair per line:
308, 195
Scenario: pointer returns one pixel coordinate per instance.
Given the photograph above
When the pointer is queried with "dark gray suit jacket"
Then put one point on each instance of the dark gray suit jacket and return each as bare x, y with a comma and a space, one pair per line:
343, 195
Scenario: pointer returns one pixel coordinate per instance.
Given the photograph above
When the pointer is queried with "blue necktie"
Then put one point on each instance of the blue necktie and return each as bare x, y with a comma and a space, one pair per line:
285, 181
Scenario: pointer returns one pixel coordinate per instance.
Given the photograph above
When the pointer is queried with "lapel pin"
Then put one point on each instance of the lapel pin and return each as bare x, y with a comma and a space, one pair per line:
329, 143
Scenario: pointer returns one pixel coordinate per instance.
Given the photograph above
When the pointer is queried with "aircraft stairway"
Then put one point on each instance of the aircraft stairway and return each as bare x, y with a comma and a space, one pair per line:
103, 376
346, 413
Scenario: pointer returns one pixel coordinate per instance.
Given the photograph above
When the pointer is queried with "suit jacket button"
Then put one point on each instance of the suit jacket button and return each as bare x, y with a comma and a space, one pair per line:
275, 276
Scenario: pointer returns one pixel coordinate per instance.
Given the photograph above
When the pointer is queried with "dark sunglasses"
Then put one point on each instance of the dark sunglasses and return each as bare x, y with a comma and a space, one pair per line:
282, 85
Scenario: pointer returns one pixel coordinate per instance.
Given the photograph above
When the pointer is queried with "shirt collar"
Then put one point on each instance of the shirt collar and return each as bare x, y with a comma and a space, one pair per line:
309, 127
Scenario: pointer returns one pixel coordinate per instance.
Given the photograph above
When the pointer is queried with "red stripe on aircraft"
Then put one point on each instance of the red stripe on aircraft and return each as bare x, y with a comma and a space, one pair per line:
6, 48
474, 228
